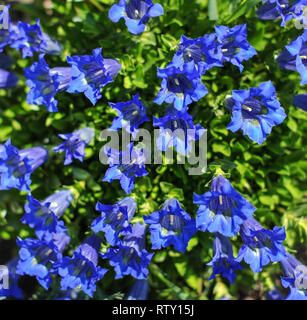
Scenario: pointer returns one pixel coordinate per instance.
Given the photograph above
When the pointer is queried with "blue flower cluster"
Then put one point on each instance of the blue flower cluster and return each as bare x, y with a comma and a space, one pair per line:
284, 9
87, 74
294, 56
225, 212
127, 255
82, 269
255, 111
130, 257
39, 257
43, 257
16, 166
28, 38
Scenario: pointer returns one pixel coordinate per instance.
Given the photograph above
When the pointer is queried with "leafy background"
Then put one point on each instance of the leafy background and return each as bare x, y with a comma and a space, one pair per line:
272, 176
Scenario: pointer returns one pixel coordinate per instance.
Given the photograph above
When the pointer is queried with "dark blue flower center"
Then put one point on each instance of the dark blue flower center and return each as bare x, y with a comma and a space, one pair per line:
73, 144
171, 222
261, 240
80, 266
223, 263
179, 83
13, 162
48, 84
229, 49
45, 255
222, 204
253, 107
116, 218
49, 220
132, 113
136, 9
93, 73
33, 39
193, 53
20, 170
16, 167
129, 169
46, 214
130, 254
42, 211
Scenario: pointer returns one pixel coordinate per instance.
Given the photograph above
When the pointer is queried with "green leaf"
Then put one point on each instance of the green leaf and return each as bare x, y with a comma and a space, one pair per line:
242, 10
80, 174
213, 10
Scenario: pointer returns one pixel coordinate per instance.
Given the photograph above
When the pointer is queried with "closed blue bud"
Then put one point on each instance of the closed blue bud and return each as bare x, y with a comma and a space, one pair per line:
114, 219
223, 261
171, 226
81, 271
295, 277
131, 115
39, 258
130, 256
44, 83
232, 44
222, 209
255, 111
180, 85
136, 13
75, 144
16, 165
91, 73
261, 246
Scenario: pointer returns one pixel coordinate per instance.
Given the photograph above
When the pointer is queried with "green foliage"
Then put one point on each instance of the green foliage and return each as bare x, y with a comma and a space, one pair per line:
272, 176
